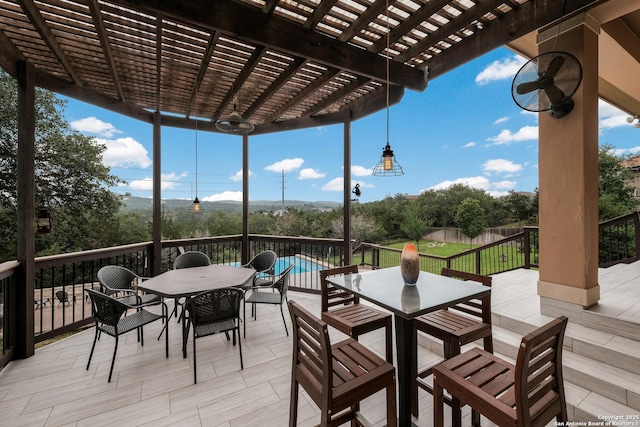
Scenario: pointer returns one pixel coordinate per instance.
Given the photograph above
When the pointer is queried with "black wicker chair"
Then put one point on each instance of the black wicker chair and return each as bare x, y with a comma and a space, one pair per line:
276, 298
263, 264
188, 259
191, 259
115, 280
213, 312
108, 313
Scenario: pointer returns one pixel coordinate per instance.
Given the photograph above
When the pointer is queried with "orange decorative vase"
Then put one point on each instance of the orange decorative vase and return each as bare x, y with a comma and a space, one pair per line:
410, 264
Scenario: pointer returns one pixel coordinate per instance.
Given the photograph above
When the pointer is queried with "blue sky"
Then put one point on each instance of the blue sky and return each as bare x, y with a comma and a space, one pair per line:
464, 128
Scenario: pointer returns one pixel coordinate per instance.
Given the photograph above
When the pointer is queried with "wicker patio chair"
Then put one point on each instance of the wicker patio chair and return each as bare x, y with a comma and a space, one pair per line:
213, 312
188, 259
263, 264
115, 280
108, 313
277, 297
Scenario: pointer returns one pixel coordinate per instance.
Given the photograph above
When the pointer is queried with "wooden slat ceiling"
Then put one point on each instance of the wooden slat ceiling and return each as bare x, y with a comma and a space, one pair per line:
288, 64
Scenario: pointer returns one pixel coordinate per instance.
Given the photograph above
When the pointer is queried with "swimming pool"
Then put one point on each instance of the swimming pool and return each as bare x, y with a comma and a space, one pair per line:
302, 265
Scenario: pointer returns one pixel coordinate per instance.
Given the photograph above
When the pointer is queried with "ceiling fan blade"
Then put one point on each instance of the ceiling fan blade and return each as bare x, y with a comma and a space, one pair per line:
554, 66
554, 93
527, 87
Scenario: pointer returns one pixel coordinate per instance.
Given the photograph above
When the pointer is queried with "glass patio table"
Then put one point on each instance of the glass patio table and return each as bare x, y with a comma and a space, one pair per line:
432, 292
187, 282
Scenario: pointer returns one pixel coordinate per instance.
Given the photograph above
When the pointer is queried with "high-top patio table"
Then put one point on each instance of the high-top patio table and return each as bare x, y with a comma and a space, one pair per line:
432, 292
187, 282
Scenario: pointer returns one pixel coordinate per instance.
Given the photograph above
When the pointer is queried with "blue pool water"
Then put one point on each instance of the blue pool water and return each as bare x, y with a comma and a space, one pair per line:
301, 265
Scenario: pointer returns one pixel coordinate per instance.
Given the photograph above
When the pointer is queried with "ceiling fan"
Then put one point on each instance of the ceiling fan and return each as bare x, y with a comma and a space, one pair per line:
547, 83
234, 123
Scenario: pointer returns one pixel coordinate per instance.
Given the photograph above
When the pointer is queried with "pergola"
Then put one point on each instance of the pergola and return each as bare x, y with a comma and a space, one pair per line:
288, 64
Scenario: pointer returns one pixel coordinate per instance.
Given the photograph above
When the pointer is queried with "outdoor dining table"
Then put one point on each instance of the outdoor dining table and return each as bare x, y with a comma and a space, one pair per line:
386, 288
187, 282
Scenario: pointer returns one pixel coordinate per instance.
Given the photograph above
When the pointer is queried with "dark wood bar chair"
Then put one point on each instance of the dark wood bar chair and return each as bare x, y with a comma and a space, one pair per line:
456, 326
531, 393
336, 377
343, 311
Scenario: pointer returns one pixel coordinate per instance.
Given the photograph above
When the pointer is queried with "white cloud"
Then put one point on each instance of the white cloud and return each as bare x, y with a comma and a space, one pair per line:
124, 152
525, 133
613, 122
309, 173
474, 181
337, 184
500, 70
225, 195
500, 166
95, 126
357, 170
480, 182
470, 144
238, 176
610, 116
167, 182
501, 120
286, 165
622, 151
505, 184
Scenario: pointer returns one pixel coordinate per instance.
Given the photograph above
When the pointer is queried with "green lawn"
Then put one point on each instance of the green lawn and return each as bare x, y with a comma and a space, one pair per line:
493, 259
437, 248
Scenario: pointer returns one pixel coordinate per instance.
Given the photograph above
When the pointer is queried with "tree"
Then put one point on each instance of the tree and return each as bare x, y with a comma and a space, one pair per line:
615, 196
470, 218
519, 206
70, 177
363, 229
389, 213
442, 204
414, 226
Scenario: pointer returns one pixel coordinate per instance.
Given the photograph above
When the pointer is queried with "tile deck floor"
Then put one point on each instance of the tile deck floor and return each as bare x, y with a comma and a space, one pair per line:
53, 388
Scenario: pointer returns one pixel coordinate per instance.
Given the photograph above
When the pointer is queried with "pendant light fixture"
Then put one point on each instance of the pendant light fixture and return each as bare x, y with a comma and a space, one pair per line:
387, 166
195, 206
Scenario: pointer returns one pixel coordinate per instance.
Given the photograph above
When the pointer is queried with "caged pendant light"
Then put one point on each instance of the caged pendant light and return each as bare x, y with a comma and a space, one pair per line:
195, 206
387, 166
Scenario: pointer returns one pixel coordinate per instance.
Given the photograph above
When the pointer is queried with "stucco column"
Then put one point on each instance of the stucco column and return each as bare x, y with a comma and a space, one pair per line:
568, 179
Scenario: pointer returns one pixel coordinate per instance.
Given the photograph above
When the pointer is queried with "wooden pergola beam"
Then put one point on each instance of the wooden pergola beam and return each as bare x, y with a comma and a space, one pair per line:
280, 34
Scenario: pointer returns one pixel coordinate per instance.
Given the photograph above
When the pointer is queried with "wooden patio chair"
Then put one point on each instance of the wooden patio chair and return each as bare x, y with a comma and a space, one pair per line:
458, 325
343, 311
336, 377
531, 393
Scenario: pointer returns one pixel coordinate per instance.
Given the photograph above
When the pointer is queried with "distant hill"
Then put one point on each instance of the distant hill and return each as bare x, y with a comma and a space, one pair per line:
132, 203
